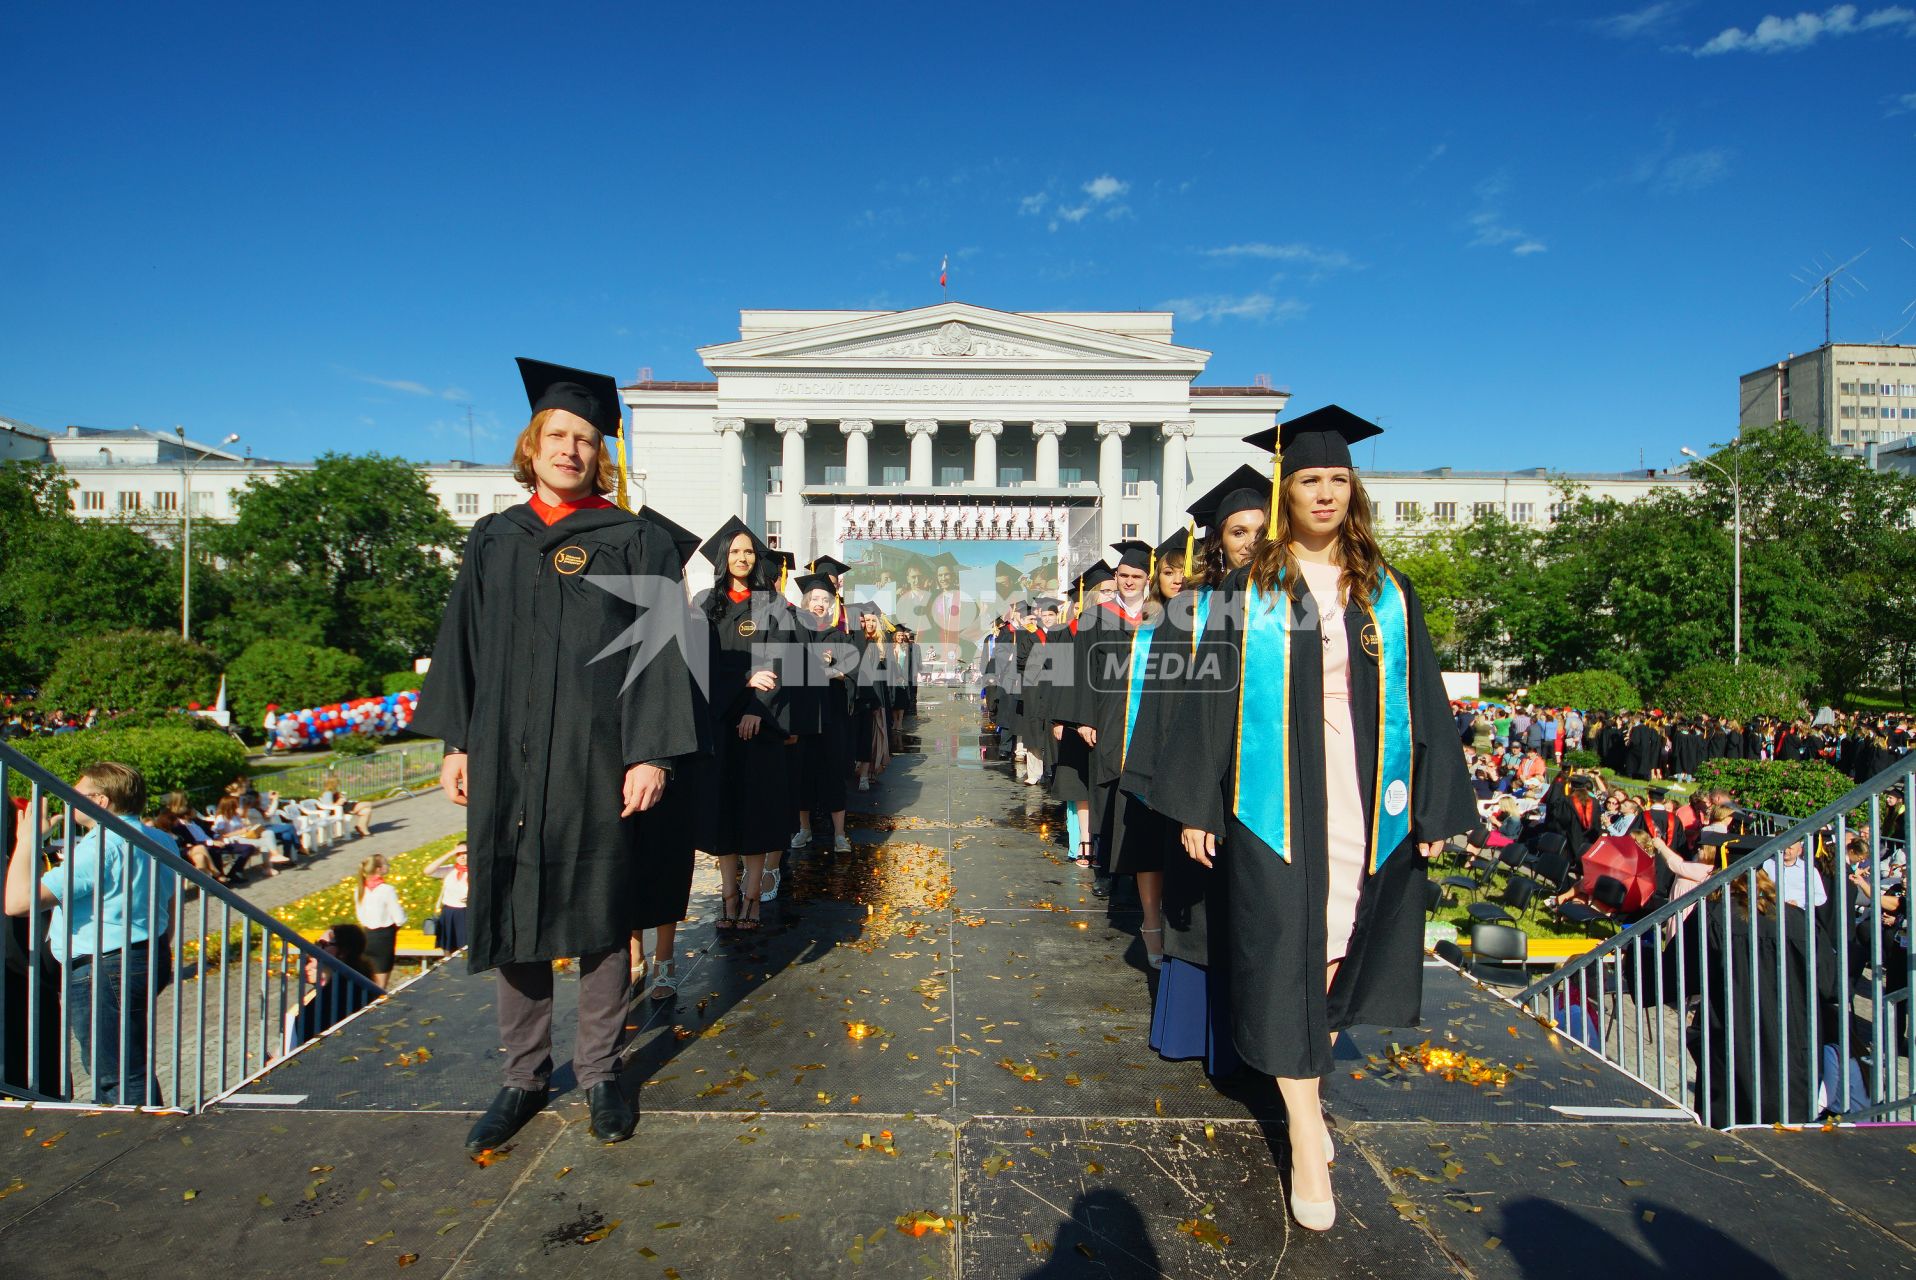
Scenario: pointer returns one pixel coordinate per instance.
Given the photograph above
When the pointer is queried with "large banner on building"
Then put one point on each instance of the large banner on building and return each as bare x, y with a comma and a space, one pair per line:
947, 592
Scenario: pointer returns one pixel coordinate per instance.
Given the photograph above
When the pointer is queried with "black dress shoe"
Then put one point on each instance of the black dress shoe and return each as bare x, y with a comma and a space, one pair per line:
1100, 885
612, 1118
506, 1116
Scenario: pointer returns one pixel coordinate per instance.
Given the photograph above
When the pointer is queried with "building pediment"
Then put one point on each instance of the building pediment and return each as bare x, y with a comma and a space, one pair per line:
952, 337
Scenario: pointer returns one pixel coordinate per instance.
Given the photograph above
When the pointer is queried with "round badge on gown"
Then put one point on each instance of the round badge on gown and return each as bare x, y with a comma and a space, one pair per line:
746, 627
569, 559
1373, 645
1396, 796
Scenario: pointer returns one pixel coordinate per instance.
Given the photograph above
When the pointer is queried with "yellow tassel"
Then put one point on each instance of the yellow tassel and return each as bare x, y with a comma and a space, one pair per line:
1277, 475
782, 570
1151, 574
624, 501
1190, 547
1081, 593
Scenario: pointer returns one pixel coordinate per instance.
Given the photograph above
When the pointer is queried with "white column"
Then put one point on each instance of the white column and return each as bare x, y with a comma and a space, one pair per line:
921, 431
858, 435
1111, 478
791, 495
731, 432
1047, 434
1177, 436
984, 452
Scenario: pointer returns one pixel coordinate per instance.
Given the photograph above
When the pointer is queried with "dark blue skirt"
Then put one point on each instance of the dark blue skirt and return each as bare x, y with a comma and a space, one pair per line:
1192, 1017
451, 931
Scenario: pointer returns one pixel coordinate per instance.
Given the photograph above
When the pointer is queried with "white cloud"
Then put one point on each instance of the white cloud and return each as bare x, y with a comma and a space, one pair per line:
1075, 214
1105, 187
1034, 204
1261, 307
409, 387
1902, 104
1323, 260
1650, 18
1491, 230
1783, 35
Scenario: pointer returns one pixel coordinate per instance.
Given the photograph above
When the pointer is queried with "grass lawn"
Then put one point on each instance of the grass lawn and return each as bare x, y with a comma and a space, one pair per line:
1538, 923
418, 894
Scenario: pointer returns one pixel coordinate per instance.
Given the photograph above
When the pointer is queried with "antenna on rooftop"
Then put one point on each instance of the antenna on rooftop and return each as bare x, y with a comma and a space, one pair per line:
1822, 280
1261, 380
472, 449
645, 373
1909, 310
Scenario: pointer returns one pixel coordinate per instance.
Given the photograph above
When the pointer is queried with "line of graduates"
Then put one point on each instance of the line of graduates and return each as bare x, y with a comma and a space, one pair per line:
601, 729
1254, 725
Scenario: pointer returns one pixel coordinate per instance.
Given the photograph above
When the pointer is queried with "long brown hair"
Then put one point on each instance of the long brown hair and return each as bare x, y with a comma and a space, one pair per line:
527, 449
1357, 551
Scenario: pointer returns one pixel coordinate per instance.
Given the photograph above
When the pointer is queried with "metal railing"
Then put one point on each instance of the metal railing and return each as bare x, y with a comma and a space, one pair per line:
1745, 1009
396, 769
138, 928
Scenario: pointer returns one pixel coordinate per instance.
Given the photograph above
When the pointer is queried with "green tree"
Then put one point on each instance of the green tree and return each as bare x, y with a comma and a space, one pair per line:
1734, 691
63, 579
132, 671
293, 675
355, 554
1588, 691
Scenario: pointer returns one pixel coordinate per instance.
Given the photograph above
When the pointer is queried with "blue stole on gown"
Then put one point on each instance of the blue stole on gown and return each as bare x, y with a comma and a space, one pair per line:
1261, 787
1134, 686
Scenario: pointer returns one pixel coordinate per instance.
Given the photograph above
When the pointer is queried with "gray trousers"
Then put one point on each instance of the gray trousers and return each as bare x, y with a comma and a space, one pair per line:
525, 1020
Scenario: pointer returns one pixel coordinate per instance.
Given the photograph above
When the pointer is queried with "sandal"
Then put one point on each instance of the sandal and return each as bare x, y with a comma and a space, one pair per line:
728, 919
665, 980
1084, 853
748, 923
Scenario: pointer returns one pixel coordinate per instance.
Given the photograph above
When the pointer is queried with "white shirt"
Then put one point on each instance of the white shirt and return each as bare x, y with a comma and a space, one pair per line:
1793, 882
378, 908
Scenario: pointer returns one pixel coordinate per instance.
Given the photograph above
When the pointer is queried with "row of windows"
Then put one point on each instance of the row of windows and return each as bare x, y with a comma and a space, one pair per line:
1888, 411
1876, 388
1446, 512
892, 477
128, 500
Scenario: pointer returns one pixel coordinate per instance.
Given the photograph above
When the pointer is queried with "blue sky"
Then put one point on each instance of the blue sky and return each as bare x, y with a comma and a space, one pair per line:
1518, 233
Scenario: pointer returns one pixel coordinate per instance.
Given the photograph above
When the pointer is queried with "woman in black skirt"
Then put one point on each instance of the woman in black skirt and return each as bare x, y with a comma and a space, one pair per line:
743, 806
871, 695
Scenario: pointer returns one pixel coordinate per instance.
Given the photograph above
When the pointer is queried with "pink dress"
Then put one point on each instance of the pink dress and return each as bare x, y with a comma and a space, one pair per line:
1344, 800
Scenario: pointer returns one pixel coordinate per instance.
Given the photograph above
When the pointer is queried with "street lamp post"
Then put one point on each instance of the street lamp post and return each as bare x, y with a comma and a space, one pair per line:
1736, 500
187, 463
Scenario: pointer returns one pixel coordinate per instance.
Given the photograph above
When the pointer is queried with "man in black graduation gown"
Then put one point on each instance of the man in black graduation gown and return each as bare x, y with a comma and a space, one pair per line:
562, 692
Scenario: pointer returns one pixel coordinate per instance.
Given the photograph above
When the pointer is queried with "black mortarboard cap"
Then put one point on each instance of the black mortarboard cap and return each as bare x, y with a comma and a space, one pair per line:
720, 543
1246, 489
830, 564
864, 607
1133, 553
592, 396
1005, 570
1099, 572
1320, 438
685, 543
785, 560
1174, 545
810, 582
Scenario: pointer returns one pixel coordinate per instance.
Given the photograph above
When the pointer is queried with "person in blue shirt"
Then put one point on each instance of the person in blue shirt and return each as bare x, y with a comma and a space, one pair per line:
110, 908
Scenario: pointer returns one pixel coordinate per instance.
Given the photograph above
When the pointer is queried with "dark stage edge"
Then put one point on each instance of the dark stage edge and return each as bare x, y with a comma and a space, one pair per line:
1005, 1095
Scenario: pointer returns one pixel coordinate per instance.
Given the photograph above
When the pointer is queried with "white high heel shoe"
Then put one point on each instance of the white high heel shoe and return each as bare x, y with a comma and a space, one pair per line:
1315, 1215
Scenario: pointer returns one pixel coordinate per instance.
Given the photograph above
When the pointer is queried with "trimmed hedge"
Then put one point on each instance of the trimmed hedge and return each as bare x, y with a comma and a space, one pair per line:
182, 759
1733, 692
1797, 788
400, 681
132, 671
1587, 691
354, 744
293, 675
1581, 759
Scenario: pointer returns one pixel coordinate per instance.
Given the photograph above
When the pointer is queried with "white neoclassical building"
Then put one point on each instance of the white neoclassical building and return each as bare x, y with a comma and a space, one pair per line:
946, 422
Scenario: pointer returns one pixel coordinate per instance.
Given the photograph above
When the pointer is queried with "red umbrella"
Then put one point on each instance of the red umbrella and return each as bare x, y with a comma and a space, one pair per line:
1619, 858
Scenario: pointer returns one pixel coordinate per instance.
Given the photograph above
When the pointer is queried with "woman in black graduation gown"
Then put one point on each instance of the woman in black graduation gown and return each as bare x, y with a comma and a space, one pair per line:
823, 758
1272, 751
1070, 754
1112, 651
871, 694
668, 845
1035, 662
1191, 1015
743, 804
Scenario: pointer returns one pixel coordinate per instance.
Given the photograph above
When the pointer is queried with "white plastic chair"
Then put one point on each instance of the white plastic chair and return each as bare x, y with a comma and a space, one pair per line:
311, 833
332, 818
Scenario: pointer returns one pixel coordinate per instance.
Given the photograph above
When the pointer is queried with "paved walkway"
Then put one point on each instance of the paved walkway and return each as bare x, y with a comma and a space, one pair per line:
398, 826
932, 1061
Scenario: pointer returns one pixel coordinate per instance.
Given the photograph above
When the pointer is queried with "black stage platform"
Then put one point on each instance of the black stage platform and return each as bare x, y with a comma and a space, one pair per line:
999, 1115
